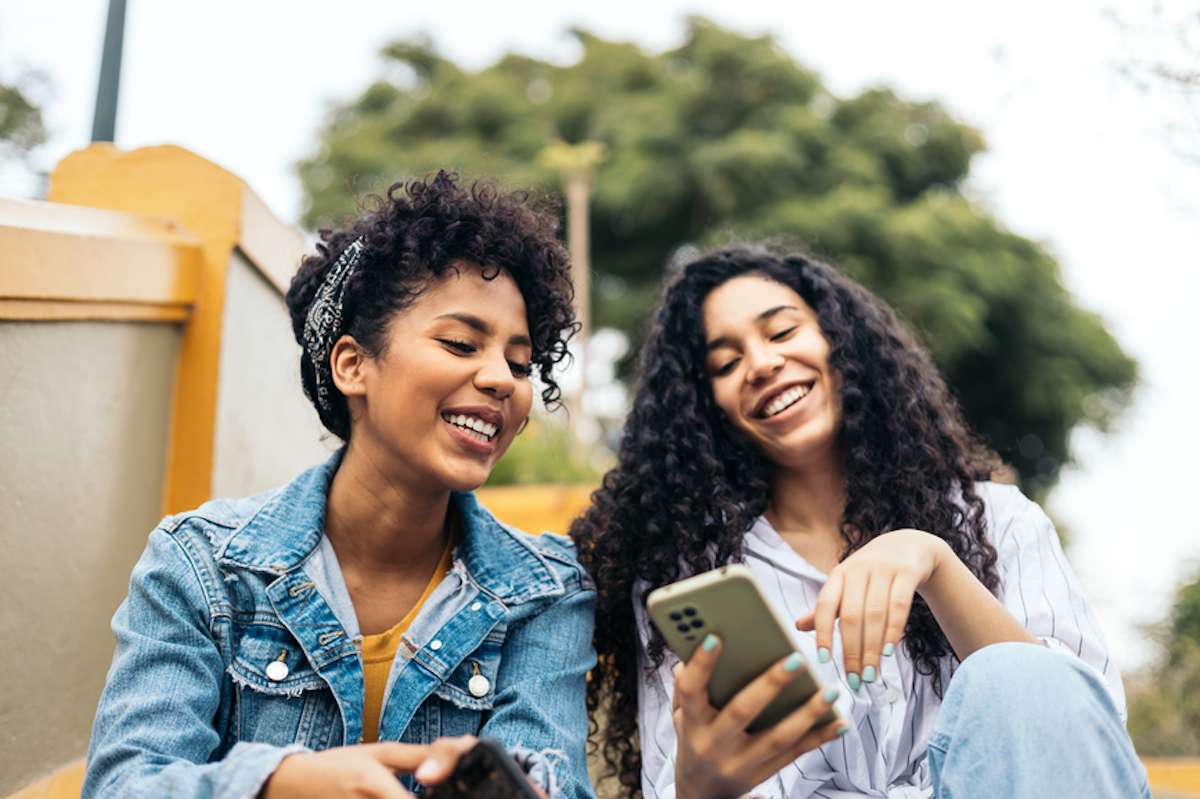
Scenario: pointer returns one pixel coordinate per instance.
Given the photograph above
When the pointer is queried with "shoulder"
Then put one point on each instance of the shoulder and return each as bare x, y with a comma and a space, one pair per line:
206, 528
558, 553
1013, 519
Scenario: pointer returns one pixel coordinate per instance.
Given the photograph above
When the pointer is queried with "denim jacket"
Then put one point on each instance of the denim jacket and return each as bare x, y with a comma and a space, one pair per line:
193, 705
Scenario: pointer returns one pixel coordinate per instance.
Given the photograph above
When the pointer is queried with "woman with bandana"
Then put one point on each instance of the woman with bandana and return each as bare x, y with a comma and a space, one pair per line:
348, 634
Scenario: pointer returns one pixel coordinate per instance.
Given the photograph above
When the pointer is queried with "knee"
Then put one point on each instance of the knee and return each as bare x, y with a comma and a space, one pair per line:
1013, 664
1029, 678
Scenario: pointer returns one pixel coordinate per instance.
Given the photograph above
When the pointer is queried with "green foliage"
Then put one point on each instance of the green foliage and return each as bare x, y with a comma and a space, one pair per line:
727, 137
1164, 701
547, 453
21, 125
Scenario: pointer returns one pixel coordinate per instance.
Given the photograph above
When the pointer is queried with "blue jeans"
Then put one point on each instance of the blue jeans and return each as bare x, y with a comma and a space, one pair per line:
1021, 721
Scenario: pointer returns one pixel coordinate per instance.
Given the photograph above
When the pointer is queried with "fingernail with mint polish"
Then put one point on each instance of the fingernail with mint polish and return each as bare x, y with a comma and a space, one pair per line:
888, 649
830, 695
793, 662
823, 654
869, 674
842, 730
854, 681
427, 769
710, 642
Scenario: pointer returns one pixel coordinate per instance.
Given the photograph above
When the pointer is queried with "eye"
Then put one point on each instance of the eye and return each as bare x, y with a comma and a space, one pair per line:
462, 347
520, 369
721, 371
782, 334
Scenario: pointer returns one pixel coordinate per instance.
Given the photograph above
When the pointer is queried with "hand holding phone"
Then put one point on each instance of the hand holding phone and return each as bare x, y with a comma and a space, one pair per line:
486, 771
744, 702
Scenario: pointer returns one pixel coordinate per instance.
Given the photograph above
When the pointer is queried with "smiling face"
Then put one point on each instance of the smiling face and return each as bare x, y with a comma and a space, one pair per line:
444, 399
768, 364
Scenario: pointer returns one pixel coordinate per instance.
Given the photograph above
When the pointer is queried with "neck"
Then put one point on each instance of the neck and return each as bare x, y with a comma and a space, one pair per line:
808, 500
379, 522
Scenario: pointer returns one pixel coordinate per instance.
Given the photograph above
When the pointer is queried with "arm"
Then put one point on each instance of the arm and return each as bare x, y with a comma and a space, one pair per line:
541, 684
155, 728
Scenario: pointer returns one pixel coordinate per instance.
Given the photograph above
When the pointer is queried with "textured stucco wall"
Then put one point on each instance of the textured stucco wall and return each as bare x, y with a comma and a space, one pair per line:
267, 431
84, 410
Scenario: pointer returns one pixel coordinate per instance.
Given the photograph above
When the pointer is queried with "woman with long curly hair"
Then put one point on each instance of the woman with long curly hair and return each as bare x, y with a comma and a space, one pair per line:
370, 618
784, 418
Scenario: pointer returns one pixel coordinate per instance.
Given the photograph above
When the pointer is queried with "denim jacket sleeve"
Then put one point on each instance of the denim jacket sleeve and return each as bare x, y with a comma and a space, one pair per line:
156, 726
541, 690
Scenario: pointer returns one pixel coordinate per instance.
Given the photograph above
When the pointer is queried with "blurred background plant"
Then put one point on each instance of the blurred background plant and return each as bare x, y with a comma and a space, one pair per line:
547, 453
728, 137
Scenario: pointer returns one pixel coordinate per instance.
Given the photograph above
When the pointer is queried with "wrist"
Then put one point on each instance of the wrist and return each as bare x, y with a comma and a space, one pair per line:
941, 555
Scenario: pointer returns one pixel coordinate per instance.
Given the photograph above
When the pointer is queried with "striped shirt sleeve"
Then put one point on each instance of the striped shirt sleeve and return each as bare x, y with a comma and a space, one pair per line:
656, 728
1039, 587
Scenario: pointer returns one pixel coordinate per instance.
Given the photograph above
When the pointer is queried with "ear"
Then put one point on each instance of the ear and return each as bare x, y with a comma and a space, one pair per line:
348, 363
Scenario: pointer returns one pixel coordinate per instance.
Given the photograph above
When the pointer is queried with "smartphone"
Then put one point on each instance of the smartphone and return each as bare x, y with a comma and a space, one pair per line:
728, 603
486, 771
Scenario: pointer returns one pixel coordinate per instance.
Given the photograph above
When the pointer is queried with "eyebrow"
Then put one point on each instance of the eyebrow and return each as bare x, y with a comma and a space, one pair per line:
475, 323
726, 341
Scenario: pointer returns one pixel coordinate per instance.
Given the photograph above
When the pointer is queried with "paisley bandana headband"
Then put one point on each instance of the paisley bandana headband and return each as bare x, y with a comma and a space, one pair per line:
323, 325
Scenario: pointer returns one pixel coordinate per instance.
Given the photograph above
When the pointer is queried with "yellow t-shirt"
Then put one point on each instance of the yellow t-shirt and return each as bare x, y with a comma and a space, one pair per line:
379, 650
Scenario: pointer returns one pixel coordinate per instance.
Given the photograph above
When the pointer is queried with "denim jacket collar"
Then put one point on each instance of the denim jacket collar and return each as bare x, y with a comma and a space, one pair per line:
289, 526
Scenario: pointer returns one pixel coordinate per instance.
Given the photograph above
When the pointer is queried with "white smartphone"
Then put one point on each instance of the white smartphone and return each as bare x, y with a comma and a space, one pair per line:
728, 603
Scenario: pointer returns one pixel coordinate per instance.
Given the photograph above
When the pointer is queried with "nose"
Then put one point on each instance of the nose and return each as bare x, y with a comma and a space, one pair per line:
495, 377
761, 362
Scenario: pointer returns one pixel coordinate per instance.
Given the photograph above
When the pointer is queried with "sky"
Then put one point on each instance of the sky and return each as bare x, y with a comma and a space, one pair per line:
1079, 158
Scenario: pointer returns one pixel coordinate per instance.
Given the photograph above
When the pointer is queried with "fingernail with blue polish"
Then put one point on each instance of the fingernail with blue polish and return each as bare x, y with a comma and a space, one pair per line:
888, 649
842, 730
710, 642
830, 695
823, 654
854, 681
793, 662
869, 674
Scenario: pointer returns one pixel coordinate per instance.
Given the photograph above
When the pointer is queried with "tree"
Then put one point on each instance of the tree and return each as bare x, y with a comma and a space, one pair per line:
1164, 700
22, 129
728, 136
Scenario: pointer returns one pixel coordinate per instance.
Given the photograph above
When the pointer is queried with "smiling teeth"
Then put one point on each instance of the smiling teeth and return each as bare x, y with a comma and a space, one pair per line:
485, 431
786, 400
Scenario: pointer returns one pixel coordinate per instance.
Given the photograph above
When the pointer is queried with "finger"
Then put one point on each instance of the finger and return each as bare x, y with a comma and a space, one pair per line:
807, 623
444, 754
397, 756
691, 682
824, 614
377, 782
809, 741
792, 727
854, 596
875, 614
904, 588
747, 703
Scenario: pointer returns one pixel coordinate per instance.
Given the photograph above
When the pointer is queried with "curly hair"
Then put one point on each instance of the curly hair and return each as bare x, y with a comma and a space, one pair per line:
410, 237
687, 486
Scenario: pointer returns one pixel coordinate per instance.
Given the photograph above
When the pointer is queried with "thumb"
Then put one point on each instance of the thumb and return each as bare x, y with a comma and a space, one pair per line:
398, 756
807, 622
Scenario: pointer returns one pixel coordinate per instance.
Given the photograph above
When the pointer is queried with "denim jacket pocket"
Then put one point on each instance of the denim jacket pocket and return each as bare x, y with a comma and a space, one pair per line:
472, 684
280, 697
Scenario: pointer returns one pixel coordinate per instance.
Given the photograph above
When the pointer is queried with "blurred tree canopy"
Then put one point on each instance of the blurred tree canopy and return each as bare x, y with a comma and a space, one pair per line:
728, 137
21, 125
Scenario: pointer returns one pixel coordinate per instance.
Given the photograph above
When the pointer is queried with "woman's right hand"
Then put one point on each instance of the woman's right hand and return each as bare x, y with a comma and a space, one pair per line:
364, 771
716, 758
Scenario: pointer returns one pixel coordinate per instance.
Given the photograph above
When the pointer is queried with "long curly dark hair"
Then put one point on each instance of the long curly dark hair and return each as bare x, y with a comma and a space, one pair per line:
687, 486
413, 234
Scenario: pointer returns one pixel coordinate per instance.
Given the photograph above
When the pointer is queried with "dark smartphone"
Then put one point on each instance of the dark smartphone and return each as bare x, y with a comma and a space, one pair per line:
487, 771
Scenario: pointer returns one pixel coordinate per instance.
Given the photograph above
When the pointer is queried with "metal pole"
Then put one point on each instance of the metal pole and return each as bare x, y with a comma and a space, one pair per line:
104, 124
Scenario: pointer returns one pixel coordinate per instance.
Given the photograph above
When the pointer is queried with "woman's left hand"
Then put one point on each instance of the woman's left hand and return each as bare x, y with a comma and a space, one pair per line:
871, 592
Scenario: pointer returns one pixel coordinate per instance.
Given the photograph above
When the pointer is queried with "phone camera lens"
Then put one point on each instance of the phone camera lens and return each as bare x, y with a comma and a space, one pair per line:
689, 611
683, 628
676, 616
697, 623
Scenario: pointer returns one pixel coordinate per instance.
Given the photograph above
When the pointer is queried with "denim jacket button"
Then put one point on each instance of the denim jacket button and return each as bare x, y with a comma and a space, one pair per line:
435, 645
277, 670
477, 606
478, 686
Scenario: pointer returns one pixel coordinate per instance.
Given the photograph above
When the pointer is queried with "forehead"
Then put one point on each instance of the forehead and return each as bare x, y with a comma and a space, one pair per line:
463, 287
740, 301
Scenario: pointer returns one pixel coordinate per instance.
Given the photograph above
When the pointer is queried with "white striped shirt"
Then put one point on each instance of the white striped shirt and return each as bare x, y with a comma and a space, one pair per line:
884, 754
